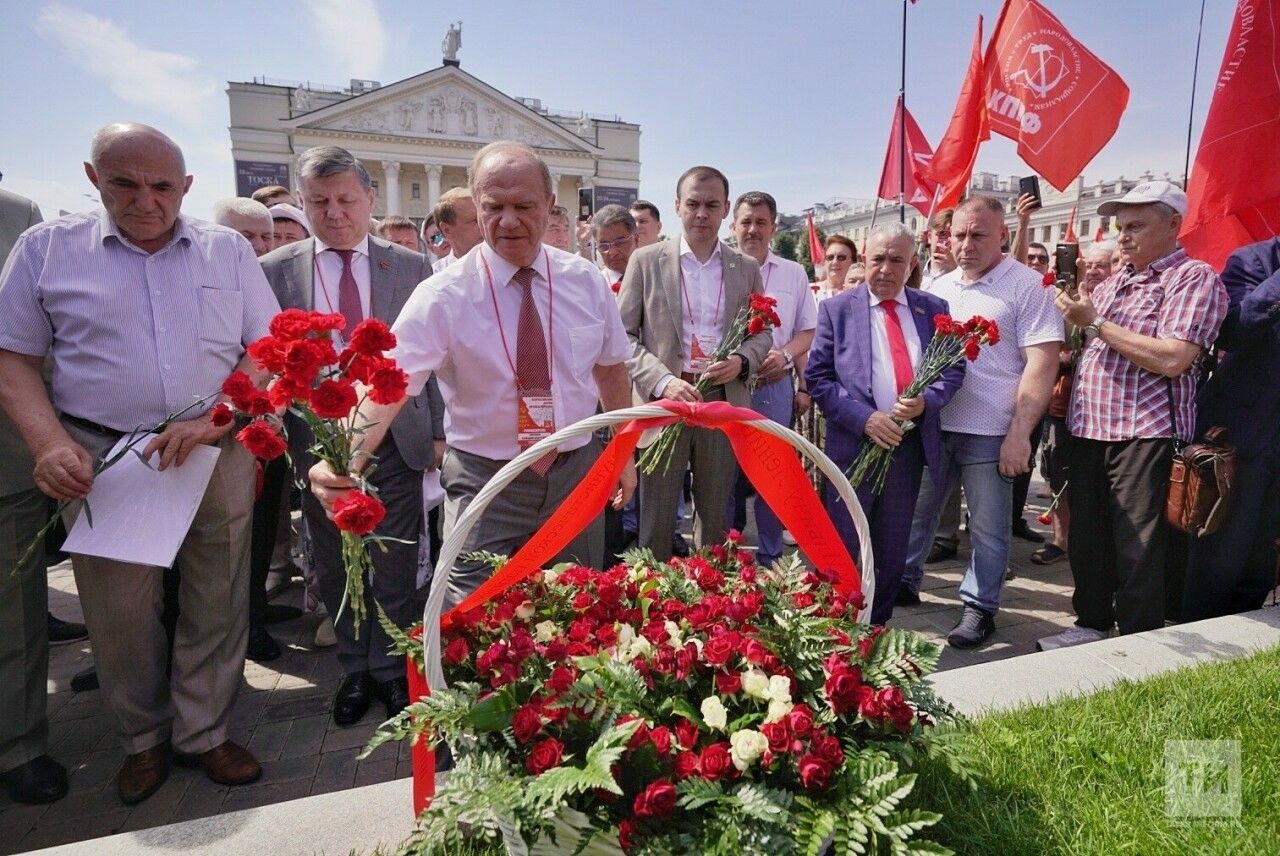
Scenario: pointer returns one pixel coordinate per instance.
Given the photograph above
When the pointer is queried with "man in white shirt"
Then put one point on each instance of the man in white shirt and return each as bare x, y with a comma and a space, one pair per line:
986, 427
777, 395
525, 339
455, 214
678, 300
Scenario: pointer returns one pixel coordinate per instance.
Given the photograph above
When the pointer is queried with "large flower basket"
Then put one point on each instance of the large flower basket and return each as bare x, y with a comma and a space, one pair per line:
780, 720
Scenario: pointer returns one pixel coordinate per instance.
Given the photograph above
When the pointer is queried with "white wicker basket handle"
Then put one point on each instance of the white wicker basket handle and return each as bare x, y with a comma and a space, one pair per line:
454, 541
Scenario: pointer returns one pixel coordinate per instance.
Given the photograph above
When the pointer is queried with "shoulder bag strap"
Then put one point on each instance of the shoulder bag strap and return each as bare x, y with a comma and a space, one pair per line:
1173, 417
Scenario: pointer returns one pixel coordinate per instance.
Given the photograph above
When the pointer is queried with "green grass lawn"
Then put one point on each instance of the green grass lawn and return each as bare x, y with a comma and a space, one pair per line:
1087, 775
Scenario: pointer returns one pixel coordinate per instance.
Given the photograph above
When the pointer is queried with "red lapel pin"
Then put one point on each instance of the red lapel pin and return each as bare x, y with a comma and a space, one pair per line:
384, 265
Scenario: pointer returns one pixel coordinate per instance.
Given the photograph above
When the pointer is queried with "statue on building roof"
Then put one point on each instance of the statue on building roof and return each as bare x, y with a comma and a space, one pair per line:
452, 41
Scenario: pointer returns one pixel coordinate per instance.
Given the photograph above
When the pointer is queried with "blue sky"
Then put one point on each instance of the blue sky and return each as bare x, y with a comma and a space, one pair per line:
794, 98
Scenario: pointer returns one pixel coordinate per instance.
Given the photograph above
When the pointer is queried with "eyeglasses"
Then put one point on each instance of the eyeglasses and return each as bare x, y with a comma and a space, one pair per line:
1036, 257
615, 244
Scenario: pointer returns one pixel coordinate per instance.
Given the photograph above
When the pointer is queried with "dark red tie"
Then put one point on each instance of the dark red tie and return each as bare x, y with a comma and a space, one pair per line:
349, 293
902, 371
533, 374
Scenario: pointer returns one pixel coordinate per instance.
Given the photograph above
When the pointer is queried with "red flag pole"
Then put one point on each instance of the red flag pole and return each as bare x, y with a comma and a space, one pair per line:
902, 125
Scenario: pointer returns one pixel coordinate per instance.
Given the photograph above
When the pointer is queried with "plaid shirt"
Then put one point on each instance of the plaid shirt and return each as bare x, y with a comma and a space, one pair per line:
1114, 399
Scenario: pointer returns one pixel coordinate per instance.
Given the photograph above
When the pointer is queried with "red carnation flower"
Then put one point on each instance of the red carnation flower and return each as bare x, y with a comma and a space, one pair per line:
755, 325
358, 513
547, 754
1049, 279
333, 399
267, 353
971, 350
290, 324
1043, 519
221, 415
322, 322
303, 359
657, 801
239, 388
387, 383
262, 440
372, 336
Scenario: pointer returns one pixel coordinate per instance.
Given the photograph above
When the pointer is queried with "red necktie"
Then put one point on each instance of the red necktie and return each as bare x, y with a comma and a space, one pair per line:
902, 371
349, 294
533, 375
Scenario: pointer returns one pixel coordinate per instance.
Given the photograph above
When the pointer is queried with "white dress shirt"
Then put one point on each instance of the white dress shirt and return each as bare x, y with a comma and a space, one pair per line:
701, 300
443, 262
884, 384
451, 329
786, 282
328, 275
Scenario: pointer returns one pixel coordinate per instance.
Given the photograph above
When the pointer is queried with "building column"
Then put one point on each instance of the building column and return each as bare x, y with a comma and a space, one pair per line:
555, 187
434, 172
392, 171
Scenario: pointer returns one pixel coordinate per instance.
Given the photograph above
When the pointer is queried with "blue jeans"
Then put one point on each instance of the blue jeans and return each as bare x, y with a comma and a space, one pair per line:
972, 460
776, 401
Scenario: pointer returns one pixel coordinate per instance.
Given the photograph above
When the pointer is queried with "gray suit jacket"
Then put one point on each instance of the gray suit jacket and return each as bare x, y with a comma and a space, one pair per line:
17, 215
394, 273
653, 313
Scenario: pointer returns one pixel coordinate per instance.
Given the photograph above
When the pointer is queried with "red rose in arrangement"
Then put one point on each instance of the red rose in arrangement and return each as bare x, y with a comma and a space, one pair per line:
262, 441
526, 722
358, 513
545, 755
656, 801
371, 337
814, 773
716, 761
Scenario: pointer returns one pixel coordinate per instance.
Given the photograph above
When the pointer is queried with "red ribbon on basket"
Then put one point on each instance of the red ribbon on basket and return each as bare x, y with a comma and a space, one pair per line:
771, 464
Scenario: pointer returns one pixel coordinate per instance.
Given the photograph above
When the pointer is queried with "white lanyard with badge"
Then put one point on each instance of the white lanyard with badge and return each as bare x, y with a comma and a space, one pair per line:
535, 408
702, 346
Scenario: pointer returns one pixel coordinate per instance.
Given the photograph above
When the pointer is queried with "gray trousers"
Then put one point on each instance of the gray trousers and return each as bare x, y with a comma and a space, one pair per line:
708, 453
122, 603
516, 513
24, 641
395, 571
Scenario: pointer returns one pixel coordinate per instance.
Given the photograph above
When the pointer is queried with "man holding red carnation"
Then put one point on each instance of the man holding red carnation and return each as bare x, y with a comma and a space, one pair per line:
524, 339
344, 270
146, 312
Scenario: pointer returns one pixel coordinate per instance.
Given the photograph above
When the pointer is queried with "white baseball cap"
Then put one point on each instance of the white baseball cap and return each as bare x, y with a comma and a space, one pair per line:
285, 211
1146, 193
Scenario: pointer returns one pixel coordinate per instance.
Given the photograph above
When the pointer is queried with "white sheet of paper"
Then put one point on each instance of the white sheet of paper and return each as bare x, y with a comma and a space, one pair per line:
141, 514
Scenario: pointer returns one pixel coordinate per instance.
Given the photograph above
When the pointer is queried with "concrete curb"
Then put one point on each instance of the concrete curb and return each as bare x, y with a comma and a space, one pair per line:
338, 823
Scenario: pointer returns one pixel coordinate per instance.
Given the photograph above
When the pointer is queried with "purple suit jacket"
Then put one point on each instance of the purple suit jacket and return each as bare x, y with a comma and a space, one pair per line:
839, 372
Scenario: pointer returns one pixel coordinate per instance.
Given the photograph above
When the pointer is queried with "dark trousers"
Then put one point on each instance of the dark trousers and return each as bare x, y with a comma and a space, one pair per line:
1233, 569
24, 643
1119, 538
889, 517
1022, 484
394, 579
266, 524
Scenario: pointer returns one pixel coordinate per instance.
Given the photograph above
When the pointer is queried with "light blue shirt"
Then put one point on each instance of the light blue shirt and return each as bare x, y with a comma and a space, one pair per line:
135, 336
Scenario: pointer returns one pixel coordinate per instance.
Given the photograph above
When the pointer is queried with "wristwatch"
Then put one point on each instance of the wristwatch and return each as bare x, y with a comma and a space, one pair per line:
1091, 331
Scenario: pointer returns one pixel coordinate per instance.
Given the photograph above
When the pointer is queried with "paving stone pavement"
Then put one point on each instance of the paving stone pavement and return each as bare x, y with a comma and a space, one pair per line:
282, 711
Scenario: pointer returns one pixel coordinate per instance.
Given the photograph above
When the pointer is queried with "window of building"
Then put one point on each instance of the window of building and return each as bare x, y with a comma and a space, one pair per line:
1062, 231
1084, 227
1046, 234
415, 191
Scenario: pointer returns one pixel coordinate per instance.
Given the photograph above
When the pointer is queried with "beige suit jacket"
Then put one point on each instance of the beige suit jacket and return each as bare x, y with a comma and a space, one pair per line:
652, 313
17, 215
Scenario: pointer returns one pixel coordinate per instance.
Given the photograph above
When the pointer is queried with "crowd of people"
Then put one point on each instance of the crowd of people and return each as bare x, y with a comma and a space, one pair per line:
123, 316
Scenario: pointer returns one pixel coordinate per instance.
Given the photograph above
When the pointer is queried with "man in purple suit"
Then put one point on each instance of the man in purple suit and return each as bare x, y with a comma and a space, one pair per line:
868, 345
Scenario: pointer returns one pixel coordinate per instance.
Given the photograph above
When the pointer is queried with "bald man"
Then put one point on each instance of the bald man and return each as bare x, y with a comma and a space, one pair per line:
145, 313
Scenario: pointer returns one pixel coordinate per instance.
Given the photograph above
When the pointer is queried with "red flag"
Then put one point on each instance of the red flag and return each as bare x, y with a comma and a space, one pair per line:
817, 254
1049, 93
919, 190
1070, 237
1233, 198
957, 151
1097, 236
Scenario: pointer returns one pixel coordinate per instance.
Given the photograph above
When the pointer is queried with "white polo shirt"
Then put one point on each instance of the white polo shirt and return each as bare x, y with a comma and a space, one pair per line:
786, 282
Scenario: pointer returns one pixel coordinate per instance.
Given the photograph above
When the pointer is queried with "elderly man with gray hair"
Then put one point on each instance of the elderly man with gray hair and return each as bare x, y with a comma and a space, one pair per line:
345, 269
859, 390
145, 312
251, 219
614, 232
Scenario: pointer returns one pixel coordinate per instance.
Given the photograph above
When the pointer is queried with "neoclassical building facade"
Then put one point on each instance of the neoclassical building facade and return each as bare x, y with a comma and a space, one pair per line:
417, 137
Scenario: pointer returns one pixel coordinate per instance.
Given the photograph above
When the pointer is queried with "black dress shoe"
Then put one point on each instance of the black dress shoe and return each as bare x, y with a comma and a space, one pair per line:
85, 680
906, 597
277, 612
1023, 530
352, 699
679, 546
394, 695
262, 648
40, 780
63, 632
939, 552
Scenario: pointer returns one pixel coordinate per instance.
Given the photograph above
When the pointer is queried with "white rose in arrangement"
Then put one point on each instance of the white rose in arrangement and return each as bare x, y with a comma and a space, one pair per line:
525, 610
779, 688
640, 647
746, 746
673, 630
777, 710
755, 683
544, 631
714, 714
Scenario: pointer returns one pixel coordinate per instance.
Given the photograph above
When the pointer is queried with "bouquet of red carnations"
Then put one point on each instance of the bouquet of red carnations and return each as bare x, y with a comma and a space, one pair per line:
952, 342
702, 705
757, 316
323, 387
